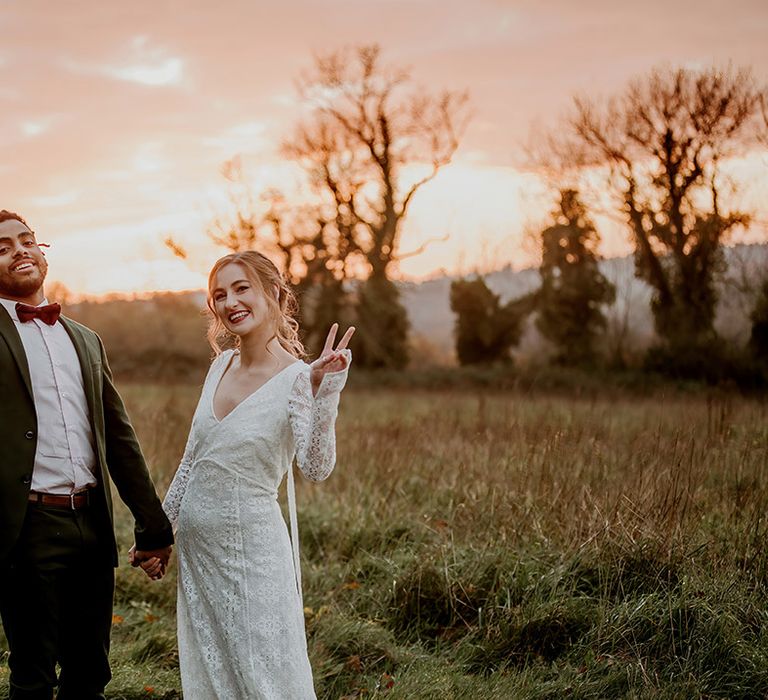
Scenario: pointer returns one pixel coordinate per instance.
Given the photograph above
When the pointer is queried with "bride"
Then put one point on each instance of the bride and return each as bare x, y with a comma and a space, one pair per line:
240, 615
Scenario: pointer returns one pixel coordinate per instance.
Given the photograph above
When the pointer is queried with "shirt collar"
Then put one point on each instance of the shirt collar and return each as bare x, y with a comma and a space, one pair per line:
10, 307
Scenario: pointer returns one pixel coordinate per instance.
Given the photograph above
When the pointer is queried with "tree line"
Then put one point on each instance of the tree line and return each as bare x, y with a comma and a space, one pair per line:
656, 152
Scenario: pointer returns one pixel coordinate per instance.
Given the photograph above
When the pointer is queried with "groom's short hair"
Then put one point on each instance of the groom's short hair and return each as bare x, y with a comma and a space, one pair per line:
6, 215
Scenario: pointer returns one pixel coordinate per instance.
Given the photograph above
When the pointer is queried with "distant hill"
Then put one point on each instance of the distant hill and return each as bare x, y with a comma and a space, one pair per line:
431, 317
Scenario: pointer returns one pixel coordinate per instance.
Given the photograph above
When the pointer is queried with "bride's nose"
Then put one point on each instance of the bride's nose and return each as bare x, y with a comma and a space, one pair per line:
231, 302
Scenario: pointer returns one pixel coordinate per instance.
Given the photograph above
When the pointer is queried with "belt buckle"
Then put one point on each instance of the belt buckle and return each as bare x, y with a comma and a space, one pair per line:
85, 493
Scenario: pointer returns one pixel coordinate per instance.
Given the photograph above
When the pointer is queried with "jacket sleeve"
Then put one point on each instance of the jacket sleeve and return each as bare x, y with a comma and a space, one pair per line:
128, 469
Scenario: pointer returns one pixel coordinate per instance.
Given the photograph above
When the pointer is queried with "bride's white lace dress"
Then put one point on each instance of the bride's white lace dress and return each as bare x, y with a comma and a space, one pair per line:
240, 615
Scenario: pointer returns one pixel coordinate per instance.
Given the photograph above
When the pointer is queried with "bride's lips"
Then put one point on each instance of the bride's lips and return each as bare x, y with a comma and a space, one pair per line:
237, 316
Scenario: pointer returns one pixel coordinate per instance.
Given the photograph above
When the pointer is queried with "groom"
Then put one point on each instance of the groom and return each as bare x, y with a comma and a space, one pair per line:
64, 433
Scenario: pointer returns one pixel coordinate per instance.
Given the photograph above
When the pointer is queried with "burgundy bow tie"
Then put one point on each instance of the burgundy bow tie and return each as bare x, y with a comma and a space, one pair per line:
48, 314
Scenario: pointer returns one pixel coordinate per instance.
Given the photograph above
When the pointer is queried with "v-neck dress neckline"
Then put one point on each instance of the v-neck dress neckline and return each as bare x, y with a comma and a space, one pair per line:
247, 398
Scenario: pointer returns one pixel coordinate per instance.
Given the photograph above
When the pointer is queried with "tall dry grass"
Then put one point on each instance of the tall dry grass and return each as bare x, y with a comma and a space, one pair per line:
503, 545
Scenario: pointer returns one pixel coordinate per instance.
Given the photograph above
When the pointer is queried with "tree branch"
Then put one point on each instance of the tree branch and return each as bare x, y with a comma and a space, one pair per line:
421, 248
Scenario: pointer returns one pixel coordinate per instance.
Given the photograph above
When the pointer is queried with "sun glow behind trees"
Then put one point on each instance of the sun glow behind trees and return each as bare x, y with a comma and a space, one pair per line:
482, 237
121, 136
478, 237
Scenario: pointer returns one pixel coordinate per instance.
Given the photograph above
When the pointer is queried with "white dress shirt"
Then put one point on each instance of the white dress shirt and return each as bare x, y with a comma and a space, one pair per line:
65, 459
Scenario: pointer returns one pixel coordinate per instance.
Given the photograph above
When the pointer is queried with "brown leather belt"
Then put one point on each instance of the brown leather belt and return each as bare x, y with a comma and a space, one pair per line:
73, 501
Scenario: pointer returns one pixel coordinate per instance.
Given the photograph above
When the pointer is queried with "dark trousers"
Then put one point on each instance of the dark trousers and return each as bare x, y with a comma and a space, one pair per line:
56, 591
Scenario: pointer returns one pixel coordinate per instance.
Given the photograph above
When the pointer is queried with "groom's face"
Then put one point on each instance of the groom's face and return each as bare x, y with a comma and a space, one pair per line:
22, 264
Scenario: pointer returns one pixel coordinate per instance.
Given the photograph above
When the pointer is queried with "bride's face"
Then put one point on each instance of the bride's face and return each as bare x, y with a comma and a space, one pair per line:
239, 304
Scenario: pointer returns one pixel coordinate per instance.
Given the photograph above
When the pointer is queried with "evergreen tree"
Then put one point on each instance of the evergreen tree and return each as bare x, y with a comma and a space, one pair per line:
573, 290
381, 326
486, 331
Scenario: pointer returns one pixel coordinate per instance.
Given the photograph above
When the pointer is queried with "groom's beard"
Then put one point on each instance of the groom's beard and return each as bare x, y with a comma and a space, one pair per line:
14, 287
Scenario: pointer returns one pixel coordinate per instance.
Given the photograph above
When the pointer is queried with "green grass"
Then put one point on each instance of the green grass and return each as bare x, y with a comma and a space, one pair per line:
507, 545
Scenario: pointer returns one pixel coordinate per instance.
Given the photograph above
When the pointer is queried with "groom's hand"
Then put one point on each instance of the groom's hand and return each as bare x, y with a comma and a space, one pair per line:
140, 555
152, 561
153, 568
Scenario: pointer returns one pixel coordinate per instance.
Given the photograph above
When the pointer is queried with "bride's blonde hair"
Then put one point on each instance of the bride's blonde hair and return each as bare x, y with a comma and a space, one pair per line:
262, 273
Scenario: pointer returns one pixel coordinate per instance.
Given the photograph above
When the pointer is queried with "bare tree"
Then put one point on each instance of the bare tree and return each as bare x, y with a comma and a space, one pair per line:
366, 126
264, 221
299, 238
246, 223
763, 137
662, 143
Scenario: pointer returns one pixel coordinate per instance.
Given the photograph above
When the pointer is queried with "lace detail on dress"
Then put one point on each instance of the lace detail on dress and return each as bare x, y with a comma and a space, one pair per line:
175, 493
313, 421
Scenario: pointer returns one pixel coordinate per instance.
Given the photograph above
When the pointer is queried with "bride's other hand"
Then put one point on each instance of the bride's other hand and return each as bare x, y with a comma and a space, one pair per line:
330, 360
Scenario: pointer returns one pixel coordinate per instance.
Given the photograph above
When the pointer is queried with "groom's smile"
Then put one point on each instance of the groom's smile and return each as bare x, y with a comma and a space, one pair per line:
23, 266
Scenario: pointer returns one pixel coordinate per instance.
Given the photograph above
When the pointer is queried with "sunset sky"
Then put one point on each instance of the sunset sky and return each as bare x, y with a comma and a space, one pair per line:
116, 117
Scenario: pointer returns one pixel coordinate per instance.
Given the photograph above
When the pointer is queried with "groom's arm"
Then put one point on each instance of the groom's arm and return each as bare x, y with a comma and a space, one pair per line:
128, 469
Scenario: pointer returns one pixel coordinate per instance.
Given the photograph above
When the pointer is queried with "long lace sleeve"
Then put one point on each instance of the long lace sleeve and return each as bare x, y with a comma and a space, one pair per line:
175, 494
313, 421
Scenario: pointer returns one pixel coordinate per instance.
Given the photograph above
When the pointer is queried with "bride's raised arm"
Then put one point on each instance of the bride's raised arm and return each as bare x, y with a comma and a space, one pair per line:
313, 420
313, 407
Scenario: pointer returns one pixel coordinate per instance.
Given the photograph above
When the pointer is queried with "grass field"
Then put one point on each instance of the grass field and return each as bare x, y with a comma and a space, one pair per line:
503, 545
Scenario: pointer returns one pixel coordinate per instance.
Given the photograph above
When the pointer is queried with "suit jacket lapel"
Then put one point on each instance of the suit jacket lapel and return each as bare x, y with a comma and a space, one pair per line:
85, 361
11, 335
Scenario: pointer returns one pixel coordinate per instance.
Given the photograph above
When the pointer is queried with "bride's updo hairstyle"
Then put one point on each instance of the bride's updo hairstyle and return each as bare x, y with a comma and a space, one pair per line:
262, 273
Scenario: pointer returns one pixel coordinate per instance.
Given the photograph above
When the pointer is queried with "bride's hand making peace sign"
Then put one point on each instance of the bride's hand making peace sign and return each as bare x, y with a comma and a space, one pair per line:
330, 360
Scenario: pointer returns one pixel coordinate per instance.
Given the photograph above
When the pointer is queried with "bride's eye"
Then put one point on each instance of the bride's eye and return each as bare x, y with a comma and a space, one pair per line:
242, 288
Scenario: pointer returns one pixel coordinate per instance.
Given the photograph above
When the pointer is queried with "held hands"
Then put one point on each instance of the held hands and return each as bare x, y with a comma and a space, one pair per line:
153, 562
330, 360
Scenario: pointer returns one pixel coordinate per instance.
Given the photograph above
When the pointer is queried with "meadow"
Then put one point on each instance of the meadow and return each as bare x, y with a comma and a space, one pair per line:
488, 544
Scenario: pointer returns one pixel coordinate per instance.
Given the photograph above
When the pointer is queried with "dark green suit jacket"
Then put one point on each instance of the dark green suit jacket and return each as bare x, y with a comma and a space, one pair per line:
117, 450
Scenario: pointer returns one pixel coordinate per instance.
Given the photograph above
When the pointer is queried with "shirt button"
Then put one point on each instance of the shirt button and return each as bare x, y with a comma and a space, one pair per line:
29, 434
